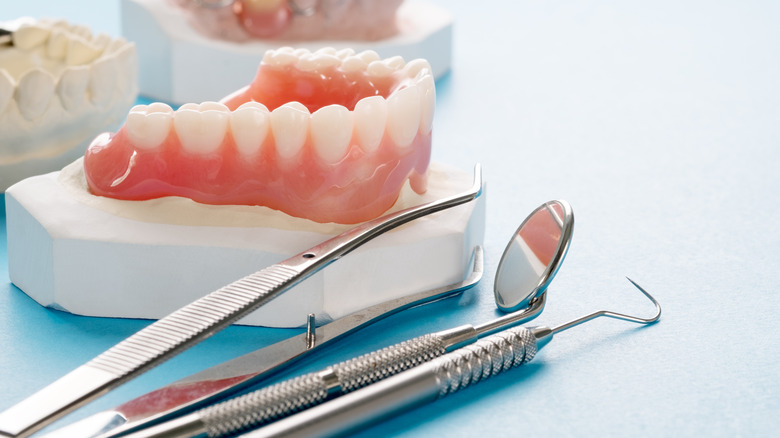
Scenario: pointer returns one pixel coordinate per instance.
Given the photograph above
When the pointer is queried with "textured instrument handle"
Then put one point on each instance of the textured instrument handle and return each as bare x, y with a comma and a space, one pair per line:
483, 359
269, 404
194, 322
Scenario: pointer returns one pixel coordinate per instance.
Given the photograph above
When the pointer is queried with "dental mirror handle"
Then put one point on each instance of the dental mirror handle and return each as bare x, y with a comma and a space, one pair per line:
198, 320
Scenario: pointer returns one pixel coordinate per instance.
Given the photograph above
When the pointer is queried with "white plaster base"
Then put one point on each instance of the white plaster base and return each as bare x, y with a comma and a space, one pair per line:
80, 258
179, 65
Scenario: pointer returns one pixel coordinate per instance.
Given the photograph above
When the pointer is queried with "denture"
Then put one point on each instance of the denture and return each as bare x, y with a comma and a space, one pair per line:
330, 136
60, 85
292, 20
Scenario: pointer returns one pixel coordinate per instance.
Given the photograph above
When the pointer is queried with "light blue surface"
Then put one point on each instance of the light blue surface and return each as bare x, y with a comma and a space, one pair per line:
659, 122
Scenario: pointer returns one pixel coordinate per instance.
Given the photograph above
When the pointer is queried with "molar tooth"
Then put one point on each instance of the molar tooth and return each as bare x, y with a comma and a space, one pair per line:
403, 115
331, 131
81, 51
201, 130
34, 93
317, 62
29, 36
148, 126
279, 58
58, 44
427, 102
249, 124
7, 85
344, 53
415, 66
326, 51
353, 64
73, 86
368, 56
103, 81
370, 121
379, 69
395, 62
300, 52
290, 126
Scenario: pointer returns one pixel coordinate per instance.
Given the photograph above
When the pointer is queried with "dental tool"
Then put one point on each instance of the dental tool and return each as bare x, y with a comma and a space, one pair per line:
192, 323
431, 381
521, 283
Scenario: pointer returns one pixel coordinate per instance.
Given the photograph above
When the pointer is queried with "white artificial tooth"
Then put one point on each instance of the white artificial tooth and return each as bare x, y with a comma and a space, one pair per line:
290, 126
7, 85
34, 93
395, 62
403, 115
344, 53
331, 131
81, 51
189, 106
102, 81
148, 126
279, 58
101, 41
249, 124
415, 66
379, 69
368, 56
57, 46
353, 64
29, 36
326, 51
285, 49
317, 62
370, 121
201, 130
427, 102
73, 86
300, 52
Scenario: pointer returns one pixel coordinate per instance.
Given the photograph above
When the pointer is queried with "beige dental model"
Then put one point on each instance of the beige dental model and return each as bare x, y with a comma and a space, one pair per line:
59, 87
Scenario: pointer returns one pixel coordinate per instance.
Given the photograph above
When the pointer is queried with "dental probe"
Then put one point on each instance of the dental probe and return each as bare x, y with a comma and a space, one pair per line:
430, 381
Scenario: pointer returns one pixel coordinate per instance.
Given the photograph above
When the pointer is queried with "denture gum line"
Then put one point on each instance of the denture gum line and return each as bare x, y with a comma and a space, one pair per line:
350, 142
77, 84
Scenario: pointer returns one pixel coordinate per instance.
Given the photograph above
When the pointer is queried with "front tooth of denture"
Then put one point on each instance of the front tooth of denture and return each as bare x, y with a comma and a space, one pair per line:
290, 126
370, 121
81, 51
7, 86
415, 66
331, 131
201, 128
249, 124
29, 36
403, 115
57, 47
103, 77
73, 86
353, 64
427, 102
34, 93
148, 126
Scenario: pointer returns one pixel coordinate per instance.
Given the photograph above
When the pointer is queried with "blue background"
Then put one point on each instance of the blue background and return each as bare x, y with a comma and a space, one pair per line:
660, 123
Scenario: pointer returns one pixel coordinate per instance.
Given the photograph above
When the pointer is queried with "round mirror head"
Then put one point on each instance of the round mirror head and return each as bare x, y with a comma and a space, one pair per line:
533, 256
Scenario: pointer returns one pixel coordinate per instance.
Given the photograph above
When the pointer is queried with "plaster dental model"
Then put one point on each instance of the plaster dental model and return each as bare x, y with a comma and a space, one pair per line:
59, 87
224, 39
316, 158
293, 20
343, 134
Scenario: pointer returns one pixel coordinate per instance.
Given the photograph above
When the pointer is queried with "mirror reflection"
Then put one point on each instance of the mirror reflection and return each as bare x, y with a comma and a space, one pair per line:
533, 255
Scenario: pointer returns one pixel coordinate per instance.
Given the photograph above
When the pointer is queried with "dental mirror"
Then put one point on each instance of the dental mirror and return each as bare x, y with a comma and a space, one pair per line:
533, 255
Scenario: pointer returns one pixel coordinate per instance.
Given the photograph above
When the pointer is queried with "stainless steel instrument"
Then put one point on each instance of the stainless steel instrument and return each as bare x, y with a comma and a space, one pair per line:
430, 381
527, 267
199, 320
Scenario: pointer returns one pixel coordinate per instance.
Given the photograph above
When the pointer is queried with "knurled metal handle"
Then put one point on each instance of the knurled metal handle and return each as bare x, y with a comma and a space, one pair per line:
285, 398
